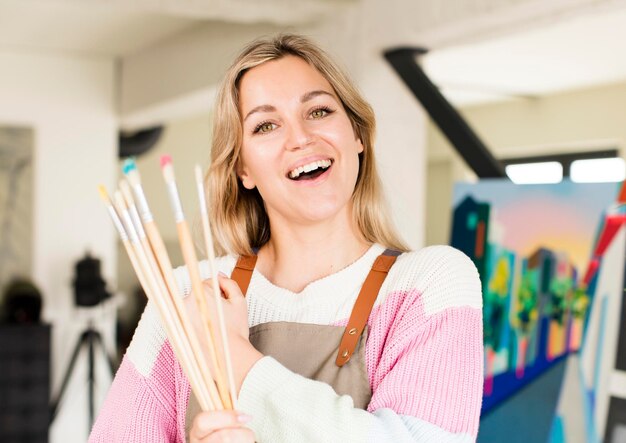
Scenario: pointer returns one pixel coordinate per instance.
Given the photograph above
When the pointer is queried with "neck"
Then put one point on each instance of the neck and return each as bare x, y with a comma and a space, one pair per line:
298, 254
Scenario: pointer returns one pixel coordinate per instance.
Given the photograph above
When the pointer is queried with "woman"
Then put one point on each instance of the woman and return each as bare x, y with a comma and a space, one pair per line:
342, 335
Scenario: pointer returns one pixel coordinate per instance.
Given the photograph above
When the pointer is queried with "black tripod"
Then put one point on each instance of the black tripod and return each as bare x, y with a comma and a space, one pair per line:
92, 339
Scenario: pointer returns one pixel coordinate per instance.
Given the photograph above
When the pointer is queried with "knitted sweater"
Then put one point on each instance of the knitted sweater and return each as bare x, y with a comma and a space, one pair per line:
424, 358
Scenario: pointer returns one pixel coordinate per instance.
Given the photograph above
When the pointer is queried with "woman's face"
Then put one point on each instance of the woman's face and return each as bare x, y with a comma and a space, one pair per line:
299, 148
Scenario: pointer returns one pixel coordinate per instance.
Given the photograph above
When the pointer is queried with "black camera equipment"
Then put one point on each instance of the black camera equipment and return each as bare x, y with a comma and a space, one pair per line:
89, 291
89, 286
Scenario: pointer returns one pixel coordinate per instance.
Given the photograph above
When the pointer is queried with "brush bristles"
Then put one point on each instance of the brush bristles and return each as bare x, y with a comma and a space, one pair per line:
166, 159
129, 165
104, 195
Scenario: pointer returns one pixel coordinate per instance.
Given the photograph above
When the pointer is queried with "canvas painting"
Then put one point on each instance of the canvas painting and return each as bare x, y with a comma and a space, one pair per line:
533, 246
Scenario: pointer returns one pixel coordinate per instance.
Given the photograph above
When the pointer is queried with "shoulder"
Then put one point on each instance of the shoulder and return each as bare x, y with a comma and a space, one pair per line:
441, 277
148, 344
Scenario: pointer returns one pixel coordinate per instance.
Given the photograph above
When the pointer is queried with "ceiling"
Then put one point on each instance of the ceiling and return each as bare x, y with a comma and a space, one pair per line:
121, 27
569, 52
577, 52
89, 28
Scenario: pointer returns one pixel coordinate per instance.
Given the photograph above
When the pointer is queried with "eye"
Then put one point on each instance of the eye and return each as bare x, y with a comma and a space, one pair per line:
264, 127
320, 112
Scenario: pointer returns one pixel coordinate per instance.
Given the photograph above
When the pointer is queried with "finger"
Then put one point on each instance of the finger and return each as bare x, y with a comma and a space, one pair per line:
240, 435
207, 422
230, 288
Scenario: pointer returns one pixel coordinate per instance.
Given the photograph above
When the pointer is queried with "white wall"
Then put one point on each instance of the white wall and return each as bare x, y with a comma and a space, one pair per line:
400, 147
581, 120
70, 104
182, 67
188, 142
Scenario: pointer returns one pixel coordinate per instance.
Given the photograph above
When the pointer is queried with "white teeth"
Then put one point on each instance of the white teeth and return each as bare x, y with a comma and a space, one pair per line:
309, 167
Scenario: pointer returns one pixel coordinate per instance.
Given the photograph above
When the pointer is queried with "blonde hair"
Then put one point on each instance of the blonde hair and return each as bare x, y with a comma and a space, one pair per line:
238, 215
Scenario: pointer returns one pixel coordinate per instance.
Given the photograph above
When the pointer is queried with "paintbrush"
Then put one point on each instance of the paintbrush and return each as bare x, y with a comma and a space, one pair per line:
210, 251
177, 301
191, 261
165, 266
130, 240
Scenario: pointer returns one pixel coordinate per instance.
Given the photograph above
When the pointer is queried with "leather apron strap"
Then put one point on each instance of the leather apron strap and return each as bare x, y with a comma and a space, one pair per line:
362, 307
243, 272
364, 304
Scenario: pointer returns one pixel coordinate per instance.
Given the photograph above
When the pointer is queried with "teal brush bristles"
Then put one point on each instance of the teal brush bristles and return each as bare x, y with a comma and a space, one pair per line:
129, 165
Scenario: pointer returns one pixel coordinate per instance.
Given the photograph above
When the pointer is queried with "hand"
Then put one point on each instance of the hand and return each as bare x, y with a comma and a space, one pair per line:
243, 354
221, 426
234, 306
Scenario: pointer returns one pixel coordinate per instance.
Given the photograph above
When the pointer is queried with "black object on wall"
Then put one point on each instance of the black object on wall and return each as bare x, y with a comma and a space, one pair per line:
615, 430
24, 382
616, 421
620, 359
135, 144
454, 127
21, 302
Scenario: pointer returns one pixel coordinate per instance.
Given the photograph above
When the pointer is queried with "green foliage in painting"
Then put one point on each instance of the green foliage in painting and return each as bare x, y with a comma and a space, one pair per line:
526, 306
495, 299
579, 302
560, 293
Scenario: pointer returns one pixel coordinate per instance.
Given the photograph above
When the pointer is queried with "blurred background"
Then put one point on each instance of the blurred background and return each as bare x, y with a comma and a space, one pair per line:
472, 97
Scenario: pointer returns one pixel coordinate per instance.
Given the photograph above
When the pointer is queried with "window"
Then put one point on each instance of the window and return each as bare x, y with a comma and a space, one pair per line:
593, 166
532, 173
598, 170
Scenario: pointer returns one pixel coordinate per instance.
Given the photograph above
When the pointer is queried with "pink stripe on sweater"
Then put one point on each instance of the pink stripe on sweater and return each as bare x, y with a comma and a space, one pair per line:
429, 367
183, 391
130, 414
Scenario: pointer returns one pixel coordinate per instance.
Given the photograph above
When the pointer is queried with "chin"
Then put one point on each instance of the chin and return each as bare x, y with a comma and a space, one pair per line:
319, 212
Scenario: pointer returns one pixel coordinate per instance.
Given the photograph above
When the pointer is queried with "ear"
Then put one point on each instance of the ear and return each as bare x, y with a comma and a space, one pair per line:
244, 176
360, 147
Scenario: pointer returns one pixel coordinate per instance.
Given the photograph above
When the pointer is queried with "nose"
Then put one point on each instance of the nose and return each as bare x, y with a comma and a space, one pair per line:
298, 136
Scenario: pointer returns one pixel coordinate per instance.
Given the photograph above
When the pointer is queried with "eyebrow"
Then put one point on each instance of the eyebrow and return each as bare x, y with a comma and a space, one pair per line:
311, 95
305, 98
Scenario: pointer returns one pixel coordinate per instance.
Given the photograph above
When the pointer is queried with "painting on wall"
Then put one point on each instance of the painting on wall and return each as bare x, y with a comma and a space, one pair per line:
535, 247
16, 202
601, 363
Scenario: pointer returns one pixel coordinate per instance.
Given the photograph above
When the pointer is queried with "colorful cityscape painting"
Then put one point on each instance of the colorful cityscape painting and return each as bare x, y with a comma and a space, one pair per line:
532, 245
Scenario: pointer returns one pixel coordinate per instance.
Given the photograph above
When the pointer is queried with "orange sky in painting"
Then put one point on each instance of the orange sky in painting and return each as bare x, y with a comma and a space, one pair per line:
563, 217
546, 222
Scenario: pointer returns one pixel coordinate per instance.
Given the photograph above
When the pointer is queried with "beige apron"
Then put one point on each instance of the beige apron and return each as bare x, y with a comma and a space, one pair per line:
343, 367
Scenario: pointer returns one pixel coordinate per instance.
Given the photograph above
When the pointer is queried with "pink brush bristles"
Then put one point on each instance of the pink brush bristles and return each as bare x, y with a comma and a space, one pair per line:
165, 160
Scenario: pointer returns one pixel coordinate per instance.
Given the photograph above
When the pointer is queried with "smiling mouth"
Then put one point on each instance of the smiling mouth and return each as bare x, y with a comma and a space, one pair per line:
311, 170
